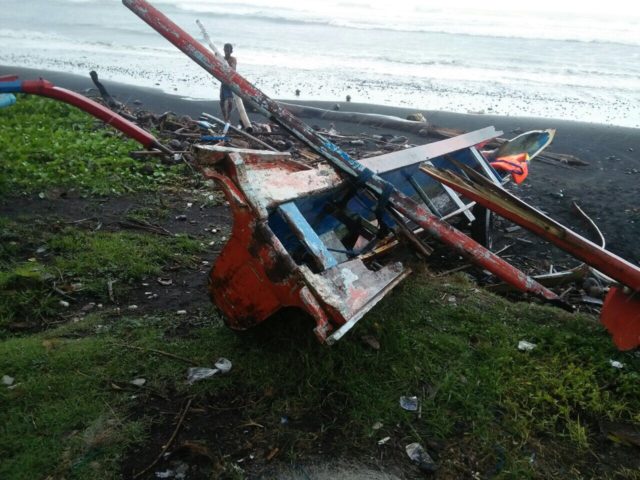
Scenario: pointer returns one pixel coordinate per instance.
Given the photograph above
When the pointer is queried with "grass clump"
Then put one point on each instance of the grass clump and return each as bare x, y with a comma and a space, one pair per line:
37, 264
60, 417
47, 144
92, 258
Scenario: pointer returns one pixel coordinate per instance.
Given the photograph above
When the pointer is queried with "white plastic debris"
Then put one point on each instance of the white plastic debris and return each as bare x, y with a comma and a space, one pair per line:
195, 374
223, 365
410, 404
616, 364
384, 440
525, 346
132, 307
181, 312
138, 382
419, 456
7, 380
377, 426
64, 303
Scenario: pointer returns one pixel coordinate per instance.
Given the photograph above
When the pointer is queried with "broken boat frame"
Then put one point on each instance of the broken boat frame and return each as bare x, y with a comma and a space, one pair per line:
287, 220
318, 238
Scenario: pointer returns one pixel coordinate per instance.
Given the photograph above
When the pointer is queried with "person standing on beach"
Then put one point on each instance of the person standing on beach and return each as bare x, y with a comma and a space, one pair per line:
226, 95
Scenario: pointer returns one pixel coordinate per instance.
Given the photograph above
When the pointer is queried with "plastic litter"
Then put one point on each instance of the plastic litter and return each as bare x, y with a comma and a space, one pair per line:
195, 374
138, 382
384, 440
616, 364
410, 404
525, 346
6, 100
420, 457
7, 380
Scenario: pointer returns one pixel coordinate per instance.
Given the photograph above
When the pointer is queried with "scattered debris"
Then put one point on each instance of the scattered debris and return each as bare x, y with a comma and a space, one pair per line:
138, 382
7, 380
384, 440
417, 117
164, 281
525, 346
166, 446
411, 404
616, 364
196, 374
420, 457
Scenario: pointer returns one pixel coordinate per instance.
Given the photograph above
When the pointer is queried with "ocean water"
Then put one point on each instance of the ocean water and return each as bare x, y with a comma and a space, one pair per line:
507, 61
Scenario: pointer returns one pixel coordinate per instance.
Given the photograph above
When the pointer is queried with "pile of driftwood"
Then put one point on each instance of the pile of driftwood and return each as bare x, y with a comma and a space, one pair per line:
180, 133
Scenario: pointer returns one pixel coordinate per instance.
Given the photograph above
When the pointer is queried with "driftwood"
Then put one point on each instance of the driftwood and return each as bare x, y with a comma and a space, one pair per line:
549, 280
108, 99
371, 119
241, 132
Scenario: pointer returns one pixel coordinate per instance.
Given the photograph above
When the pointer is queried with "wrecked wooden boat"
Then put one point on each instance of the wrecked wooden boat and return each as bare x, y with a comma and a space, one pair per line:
323, 237
310, 237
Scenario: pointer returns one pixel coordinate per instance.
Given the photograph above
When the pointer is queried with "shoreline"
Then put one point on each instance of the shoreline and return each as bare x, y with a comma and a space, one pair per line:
607, 189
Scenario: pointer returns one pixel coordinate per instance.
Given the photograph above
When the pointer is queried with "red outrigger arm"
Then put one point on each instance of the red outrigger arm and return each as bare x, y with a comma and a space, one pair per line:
363, 176
621, 310
47, 89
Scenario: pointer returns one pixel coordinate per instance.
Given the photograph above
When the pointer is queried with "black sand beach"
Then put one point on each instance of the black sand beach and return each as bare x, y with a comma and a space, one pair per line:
607, 189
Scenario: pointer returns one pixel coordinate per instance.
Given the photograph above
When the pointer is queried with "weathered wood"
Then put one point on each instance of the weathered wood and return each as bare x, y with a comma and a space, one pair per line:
241, 132
371, 119
108, 99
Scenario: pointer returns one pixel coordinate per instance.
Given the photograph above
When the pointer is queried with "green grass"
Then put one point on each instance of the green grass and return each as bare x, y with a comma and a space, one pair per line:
92, 258
462, 360
46, 144
75, 260
61, 418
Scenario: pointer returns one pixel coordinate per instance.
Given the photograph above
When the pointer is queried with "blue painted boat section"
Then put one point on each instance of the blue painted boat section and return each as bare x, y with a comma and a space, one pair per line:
6, 100
214, 138
312, 215
307, 235
14, 86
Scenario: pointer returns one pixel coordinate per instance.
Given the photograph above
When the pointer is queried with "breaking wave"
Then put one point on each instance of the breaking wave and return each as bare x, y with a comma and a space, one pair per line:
413, 16
426, 20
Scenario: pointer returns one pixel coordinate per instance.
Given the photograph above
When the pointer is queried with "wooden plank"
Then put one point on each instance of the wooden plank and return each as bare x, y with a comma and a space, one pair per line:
415, 155
305, 233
